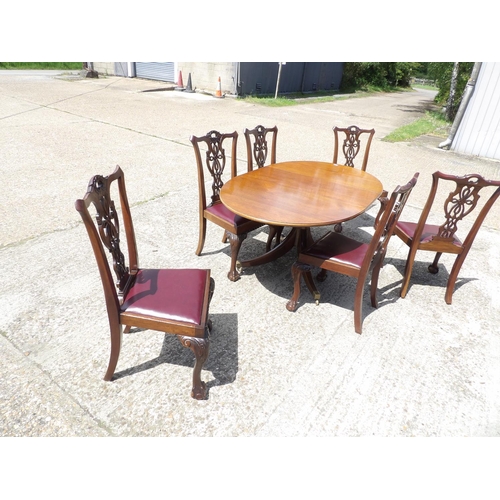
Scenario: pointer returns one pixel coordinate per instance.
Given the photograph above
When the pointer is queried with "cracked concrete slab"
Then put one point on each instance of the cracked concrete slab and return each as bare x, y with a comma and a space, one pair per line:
420, 368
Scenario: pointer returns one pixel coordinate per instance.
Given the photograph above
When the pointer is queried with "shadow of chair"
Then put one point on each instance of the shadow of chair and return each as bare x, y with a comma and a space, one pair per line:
223, 360
235, 227
460, 203
341, 254
174, 301
351, 147
258, 152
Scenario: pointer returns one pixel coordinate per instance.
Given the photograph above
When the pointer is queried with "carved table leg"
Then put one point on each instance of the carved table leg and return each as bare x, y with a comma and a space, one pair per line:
311, 286
274, 233
297, 270
200, 348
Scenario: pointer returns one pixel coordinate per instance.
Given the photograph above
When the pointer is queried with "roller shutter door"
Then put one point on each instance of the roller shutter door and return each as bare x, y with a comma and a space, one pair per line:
163, 71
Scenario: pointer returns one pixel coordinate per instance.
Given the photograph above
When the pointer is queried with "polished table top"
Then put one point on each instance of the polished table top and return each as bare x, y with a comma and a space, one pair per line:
301, 193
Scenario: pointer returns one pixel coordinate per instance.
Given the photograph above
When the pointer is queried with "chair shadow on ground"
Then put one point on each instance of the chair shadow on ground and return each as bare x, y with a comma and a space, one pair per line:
222, 360
339, 289
421, 276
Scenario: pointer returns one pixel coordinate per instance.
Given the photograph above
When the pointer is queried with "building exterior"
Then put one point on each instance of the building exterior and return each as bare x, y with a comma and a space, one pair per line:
237, 78
477, 126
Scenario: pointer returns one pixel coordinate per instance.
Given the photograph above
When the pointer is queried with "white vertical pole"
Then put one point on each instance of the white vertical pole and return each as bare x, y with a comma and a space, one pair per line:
278, 82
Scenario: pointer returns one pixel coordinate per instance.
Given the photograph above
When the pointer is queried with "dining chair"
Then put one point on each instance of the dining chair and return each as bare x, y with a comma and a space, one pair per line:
352, 144
351, 147
341, 254
257, 150
174, 301
460, 203
235, 227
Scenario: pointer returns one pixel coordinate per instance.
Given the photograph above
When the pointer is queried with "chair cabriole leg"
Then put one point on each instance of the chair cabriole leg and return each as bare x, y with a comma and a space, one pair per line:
235, 240
433, 268
321, 276
200, 348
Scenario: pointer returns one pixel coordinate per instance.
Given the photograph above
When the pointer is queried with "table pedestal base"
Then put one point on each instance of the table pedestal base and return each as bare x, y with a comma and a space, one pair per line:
297, 237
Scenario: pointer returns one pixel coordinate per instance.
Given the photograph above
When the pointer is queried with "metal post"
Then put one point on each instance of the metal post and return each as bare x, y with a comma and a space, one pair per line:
278, 82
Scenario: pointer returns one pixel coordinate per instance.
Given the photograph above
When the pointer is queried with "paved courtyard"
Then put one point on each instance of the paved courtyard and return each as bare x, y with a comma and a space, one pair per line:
420, 368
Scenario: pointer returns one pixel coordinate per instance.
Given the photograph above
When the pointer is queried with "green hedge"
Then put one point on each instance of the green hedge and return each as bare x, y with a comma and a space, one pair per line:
359, 75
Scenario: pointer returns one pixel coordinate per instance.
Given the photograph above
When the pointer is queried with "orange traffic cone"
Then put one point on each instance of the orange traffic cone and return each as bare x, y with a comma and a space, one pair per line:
218, 92
180, 85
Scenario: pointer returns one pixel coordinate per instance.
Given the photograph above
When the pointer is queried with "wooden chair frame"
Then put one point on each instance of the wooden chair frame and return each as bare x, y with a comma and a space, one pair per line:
351, 145
104, 234
338, 253
258, 151
350, 149
235, 227
442, 238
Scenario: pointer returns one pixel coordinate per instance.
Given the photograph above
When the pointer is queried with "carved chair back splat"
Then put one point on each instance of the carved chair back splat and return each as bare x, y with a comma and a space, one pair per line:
352, 144
258, 147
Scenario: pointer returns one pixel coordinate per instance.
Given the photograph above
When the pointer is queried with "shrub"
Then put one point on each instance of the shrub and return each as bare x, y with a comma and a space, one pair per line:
384, 75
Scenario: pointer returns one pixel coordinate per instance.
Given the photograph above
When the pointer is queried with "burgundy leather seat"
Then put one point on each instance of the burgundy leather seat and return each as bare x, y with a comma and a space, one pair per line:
173, 294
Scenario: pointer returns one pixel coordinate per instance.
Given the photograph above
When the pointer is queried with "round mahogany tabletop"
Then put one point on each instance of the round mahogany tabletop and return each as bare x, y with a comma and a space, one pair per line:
301, 193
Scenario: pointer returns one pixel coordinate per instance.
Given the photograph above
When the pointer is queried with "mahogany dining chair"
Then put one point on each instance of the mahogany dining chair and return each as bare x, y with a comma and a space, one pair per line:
442, 238
341, 254
174, 301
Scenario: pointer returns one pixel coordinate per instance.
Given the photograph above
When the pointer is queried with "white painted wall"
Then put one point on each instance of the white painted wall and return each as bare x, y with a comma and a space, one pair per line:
479, 131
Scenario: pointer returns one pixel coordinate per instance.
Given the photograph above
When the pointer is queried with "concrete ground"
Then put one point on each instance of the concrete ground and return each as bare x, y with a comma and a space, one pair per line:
420, 368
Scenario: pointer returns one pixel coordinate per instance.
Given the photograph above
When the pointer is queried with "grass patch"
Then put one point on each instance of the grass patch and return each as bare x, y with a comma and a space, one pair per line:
433, 123
271, 101
70, 66
294, 99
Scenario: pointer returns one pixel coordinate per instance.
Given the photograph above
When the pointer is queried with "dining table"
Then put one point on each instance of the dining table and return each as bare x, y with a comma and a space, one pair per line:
299, 195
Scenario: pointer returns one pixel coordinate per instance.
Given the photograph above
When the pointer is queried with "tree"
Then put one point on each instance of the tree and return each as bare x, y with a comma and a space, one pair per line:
384, 75
442, 73
453, 87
